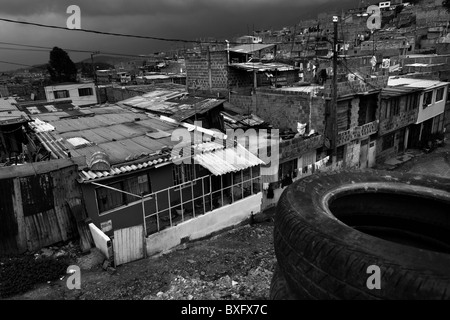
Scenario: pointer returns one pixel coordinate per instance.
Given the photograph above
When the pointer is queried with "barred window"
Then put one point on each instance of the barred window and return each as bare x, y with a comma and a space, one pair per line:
85, 92
60, 94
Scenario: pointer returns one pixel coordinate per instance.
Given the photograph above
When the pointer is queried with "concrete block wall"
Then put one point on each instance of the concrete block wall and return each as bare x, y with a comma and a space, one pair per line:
197, 70
204, 225
354, 112
403, 119
380, 155
357, 86
296, 147
431, 16
283, 109
352, 155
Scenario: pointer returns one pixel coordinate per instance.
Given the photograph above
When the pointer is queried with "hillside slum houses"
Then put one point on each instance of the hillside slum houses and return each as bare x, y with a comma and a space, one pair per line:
143, 168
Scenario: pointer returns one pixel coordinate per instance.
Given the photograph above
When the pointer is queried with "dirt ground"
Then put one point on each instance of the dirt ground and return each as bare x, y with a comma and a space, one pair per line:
235, 265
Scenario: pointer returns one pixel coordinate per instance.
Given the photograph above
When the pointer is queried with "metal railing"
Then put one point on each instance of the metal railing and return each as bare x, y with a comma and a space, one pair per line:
188, 200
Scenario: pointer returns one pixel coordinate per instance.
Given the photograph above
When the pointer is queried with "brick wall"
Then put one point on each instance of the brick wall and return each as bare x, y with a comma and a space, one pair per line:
283, 109
357, 86
197, 70
431, 16
352, 155
403, 119
383, 155
296, 147
115, 94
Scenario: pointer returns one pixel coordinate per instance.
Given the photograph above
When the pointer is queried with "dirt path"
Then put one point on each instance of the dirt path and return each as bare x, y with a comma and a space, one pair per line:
237, 264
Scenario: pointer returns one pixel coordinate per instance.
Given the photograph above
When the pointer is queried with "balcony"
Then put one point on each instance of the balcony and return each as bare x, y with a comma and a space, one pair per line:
296, 147
359, 132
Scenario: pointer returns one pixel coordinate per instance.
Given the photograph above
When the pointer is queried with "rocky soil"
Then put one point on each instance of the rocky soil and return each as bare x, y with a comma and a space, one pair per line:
235, 265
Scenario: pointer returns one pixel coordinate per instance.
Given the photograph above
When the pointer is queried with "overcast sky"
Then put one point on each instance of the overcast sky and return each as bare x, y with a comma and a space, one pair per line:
181, 19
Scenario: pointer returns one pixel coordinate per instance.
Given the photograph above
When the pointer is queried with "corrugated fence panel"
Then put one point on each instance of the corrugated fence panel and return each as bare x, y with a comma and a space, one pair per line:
40, 206
8, 222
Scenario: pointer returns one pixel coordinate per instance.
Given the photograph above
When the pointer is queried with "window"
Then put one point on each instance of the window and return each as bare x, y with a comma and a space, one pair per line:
183, 173
427, 99
137, 185
388, 141
60, 94
85, 92
440, 94
392, 107
108, 199
411, 102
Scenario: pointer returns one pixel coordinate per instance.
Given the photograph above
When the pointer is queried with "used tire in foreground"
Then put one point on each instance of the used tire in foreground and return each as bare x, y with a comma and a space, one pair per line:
333, 230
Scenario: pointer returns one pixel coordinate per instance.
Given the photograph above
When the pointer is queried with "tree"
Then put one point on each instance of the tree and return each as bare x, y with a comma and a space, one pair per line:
446, 5
60, 67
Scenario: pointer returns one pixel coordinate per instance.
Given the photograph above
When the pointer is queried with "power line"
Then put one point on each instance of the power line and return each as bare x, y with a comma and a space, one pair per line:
119, 34
17, 64
74, 50
23, 49
99, 32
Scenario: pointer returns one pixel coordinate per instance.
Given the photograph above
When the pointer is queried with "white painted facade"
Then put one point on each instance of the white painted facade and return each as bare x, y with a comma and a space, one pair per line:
204, 225
81, 94
432, 88
436, 107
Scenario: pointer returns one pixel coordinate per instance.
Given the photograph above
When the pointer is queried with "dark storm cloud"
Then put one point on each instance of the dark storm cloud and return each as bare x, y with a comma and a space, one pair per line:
153, 7
180, 19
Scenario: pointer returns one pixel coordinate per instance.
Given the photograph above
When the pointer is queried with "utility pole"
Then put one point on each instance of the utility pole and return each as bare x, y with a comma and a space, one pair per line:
94, 74
334, 94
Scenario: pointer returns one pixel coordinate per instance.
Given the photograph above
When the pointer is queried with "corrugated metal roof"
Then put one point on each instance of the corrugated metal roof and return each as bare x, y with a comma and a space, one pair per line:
414, 83
89, 175
120, 133
252, 47
225, 160
175, 104
6, 104
213, 156
9, 113
261, 67
397, 91
41, 126
314, 89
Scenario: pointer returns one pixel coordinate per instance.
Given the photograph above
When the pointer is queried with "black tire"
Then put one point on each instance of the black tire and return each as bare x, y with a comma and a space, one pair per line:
320, 257
279, 288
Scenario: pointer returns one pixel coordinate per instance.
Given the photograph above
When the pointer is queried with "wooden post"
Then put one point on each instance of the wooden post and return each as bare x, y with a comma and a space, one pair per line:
18, 211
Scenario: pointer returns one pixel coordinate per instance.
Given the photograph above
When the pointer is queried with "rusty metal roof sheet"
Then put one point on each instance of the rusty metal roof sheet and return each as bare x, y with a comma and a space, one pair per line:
261, 67
175, 104
251, 47
122, 134
224, 160
87, 175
